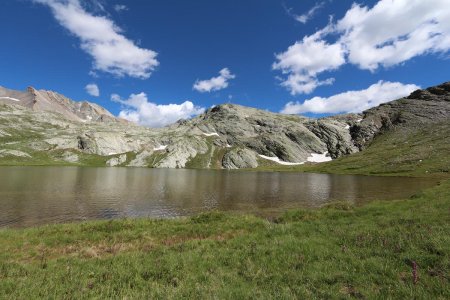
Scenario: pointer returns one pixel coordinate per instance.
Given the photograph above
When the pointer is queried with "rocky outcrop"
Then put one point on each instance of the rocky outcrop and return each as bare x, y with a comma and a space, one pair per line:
240, 158
335, 133
41, 100
181, 151
288, 137
47, 124
17, 153
141, 159
70, 157
115, 161
421, 107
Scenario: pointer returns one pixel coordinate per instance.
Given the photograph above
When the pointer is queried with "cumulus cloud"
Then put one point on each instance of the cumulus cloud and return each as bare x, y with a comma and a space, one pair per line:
140, 110
103, 40
216, 83
395, 31
352, 101
92, 89
388, 34
120, 7
305, 59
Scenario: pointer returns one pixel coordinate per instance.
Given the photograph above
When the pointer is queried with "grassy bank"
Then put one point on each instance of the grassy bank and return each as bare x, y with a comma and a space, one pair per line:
335, 252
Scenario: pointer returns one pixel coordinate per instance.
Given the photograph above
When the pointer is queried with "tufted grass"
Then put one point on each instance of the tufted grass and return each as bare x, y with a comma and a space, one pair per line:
338, 251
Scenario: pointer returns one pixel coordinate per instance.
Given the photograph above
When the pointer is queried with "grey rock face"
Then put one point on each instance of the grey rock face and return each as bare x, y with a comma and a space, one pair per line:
265, 133
70, 157
181, 151
335, 133
7, 152
240, 158
421, 107
108, 143
140, 160
231, 136
115, 161
41, 100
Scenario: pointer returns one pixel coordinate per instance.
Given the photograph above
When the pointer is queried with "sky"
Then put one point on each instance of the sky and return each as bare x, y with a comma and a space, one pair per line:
156, 61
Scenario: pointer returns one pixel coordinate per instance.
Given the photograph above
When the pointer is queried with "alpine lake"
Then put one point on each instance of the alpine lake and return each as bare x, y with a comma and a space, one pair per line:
34, 196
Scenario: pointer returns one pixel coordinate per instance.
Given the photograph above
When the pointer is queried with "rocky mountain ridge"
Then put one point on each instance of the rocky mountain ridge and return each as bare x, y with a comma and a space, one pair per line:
428, 106
42, 100
40, 127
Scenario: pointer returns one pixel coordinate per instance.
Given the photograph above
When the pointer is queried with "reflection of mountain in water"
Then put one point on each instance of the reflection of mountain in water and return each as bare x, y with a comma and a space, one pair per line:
32, 196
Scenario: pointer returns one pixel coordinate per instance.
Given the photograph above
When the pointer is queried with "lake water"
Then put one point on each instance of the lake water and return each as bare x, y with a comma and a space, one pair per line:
31, 196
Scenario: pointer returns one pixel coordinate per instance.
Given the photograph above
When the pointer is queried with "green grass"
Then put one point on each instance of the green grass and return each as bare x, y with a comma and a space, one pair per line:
338, 251
54, 158
423, 151
155, 158
212, 159
200, 161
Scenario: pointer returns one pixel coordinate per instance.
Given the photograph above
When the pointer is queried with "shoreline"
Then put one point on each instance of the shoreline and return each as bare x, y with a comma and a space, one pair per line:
339, 249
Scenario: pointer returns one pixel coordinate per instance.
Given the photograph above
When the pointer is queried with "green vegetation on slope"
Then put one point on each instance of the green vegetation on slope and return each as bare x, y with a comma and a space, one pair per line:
335, 252
54, 158
420, 151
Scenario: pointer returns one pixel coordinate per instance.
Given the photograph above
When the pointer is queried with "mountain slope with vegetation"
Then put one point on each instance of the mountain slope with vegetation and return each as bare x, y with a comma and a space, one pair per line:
408, 136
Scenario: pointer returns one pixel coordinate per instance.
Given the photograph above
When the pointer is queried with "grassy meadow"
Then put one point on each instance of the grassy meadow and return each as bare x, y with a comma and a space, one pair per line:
338, 251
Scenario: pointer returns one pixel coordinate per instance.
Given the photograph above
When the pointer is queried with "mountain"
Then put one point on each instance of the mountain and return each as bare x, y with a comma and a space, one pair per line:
409, 136
53, 102
422, 107
41, 128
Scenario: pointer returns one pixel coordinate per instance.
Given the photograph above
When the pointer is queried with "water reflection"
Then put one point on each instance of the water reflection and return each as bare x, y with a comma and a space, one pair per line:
38, 195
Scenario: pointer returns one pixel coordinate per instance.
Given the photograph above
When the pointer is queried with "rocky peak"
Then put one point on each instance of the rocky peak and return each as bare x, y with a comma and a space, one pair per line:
431, 105
227, 135
436, 93
290, 138
227, 111
42, 100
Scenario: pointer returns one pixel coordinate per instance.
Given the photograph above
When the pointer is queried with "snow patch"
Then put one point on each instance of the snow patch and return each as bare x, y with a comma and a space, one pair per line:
359, 120
211, 134
277, 160
9, 98
347, 127
160, 148
318, 158
228, 146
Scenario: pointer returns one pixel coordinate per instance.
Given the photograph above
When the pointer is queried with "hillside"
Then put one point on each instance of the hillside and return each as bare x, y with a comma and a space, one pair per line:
45, 128
48, 101
409, 136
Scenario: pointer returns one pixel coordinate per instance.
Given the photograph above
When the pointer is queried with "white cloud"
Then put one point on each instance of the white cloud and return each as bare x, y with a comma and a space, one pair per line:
352, 101
143, 112
214, 84
120, 7
388, 34
304, 18
103, 40
307, 58
395, 31
300, 84
92, 89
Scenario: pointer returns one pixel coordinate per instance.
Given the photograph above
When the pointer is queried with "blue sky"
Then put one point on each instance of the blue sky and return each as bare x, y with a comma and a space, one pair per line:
269, 54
